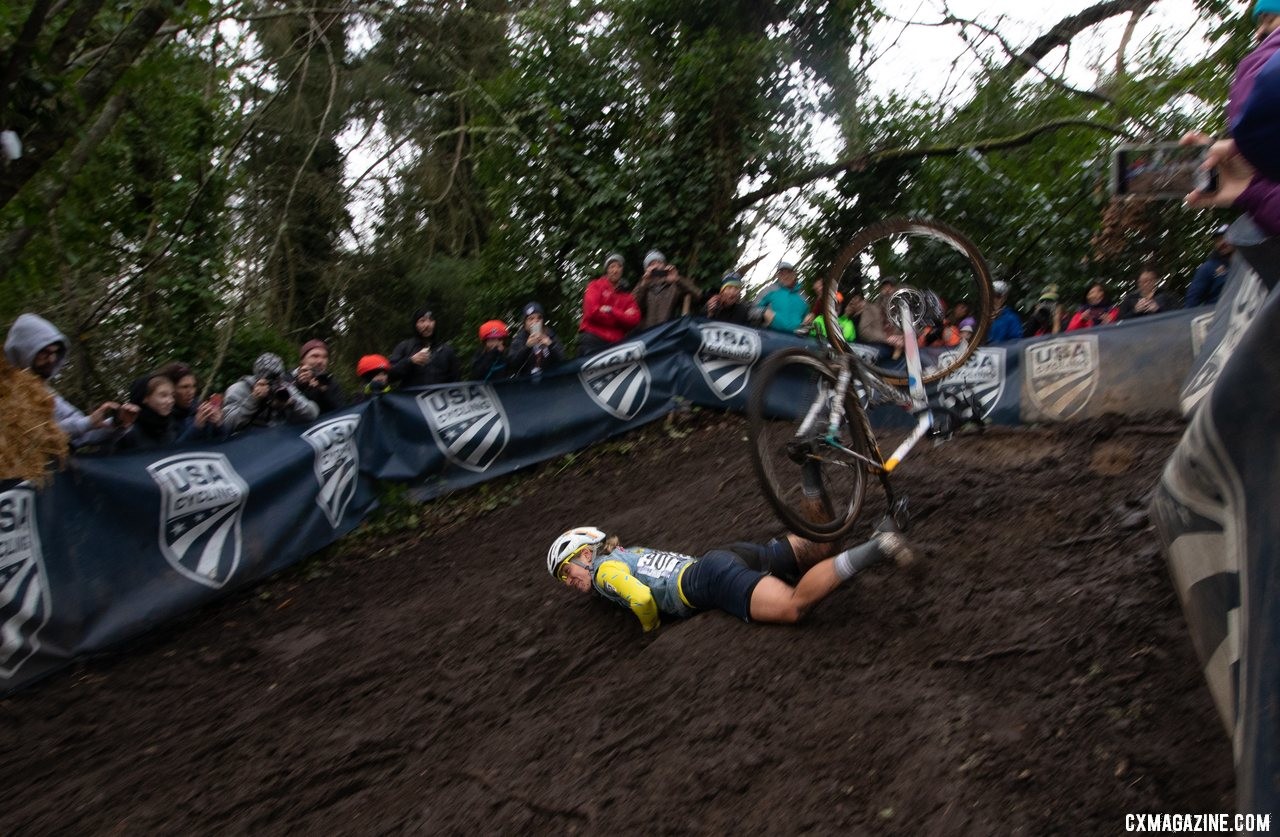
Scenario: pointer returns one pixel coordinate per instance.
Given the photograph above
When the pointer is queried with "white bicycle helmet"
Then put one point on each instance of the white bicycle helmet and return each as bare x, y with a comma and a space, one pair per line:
570, 542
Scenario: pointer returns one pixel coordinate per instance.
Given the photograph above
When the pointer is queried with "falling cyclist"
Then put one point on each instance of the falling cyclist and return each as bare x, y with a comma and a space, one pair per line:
776, 582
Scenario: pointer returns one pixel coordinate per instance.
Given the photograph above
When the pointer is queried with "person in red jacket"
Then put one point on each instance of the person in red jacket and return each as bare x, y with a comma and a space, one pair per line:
608, 312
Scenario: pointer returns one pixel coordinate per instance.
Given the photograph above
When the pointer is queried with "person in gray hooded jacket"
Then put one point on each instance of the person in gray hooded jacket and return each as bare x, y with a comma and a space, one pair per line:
36, 345
266, 398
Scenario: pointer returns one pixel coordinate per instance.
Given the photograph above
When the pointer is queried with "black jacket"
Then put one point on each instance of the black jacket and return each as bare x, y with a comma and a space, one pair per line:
442, 367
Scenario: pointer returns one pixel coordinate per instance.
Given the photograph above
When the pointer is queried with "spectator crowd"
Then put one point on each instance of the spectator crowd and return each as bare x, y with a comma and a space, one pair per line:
165, 407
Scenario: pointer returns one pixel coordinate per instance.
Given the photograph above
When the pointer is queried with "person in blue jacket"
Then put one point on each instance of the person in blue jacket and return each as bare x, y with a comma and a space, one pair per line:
1206, 284
1005, 324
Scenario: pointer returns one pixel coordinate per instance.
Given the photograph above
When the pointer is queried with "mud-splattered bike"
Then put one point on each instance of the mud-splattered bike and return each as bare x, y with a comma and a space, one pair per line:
812, 444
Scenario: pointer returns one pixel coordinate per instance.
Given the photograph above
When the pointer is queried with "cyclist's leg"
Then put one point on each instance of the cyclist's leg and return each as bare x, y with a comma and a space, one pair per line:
772, 600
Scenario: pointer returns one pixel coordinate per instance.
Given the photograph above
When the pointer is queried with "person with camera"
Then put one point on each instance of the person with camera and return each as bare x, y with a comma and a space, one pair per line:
422, 359
267, 398
36, 345
158, 424
727, 305
608, 311
662, 291
535, 348
313, 379
1239, 183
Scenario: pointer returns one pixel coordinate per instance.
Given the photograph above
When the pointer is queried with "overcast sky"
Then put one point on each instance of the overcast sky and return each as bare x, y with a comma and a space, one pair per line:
935, 61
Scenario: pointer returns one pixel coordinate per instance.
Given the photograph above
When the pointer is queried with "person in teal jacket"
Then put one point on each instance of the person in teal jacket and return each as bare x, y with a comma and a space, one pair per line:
785, 307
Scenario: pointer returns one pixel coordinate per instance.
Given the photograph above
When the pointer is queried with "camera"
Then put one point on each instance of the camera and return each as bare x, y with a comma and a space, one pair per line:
322, 378
661, 272
1161, 170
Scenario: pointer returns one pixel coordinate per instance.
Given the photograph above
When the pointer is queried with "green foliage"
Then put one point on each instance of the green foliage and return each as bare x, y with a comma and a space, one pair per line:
509, 148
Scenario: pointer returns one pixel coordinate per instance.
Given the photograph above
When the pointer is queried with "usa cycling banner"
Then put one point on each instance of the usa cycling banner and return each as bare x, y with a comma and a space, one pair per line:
116, 545
1215, 512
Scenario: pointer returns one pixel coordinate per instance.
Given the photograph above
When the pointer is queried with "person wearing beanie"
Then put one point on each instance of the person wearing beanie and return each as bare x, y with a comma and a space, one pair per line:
608, 312
535, 348
490, 360
314, 379
727, 305
267, 398
662, 293
422, 360
34, 344
1240, 185
1047, 316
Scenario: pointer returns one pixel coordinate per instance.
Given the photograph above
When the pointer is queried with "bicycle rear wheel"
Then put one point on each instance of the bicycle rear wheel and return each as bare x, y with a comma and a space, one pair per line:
938, 269
815, 488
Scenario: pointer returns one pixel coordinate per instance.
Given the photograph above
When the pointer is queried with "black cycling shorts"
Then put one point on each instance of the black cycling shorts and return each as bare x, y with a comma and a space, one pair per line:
725, 578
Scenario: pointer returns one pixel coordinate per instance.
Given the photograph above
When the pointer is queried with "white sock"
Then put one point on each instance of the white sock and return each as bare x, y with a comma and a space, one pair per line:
856, 559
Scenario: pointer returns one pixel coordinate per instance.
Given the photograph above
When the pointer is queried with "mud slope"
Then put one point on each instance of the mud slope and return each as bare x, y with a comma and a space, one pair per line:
1038, 678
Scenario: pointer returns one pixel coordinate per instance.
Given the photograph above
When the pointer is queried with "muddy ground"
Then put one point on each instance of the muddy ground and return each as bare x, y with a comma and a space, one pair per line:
1037, 678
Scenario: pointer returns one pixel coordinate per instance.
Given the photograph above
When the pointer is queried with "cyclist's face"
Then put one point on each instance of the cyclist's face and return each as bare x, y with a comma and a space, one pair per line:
576, 576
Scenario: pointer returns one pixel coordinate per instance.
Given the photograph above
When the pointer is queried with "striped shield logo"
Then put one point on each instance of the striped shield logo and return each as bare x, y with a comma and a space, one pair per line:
725, 357
337, 463
982, 374
618, 379
25, 604
468, 423
1062, 374
201, 501
1243, 308
1200, 330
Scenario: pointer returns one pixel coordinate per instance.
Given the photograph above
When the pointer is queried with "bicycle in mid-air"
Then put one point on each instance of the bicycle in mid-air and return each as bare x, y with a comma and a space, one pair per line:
812, 444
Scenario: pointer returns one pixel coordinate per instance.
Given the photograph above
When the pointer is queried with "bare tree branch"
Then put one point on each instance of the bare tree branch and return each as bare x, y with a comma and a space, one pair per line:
49, 136
54, 191
872, 159
1062, 33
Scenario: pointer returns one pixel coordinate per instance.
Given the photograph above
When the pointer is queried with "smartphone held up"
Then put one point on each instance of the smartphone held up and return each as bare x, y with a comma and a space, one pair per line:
1161, 170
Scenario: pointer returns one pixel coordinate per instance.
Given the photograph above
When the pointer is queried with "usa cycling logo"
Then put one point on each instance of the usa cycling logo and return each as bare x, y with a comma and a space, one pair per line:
983, 374
725, 357
1062, 374
337, 463
201, 501
618, 379
1242, 308
25, 604
1199, 331
468, 423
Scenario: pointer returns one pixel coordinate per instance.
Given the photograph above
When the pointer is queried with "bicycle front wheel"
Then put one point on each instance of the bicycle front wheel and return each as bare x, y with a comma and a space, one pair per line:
814, 481
940, 273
